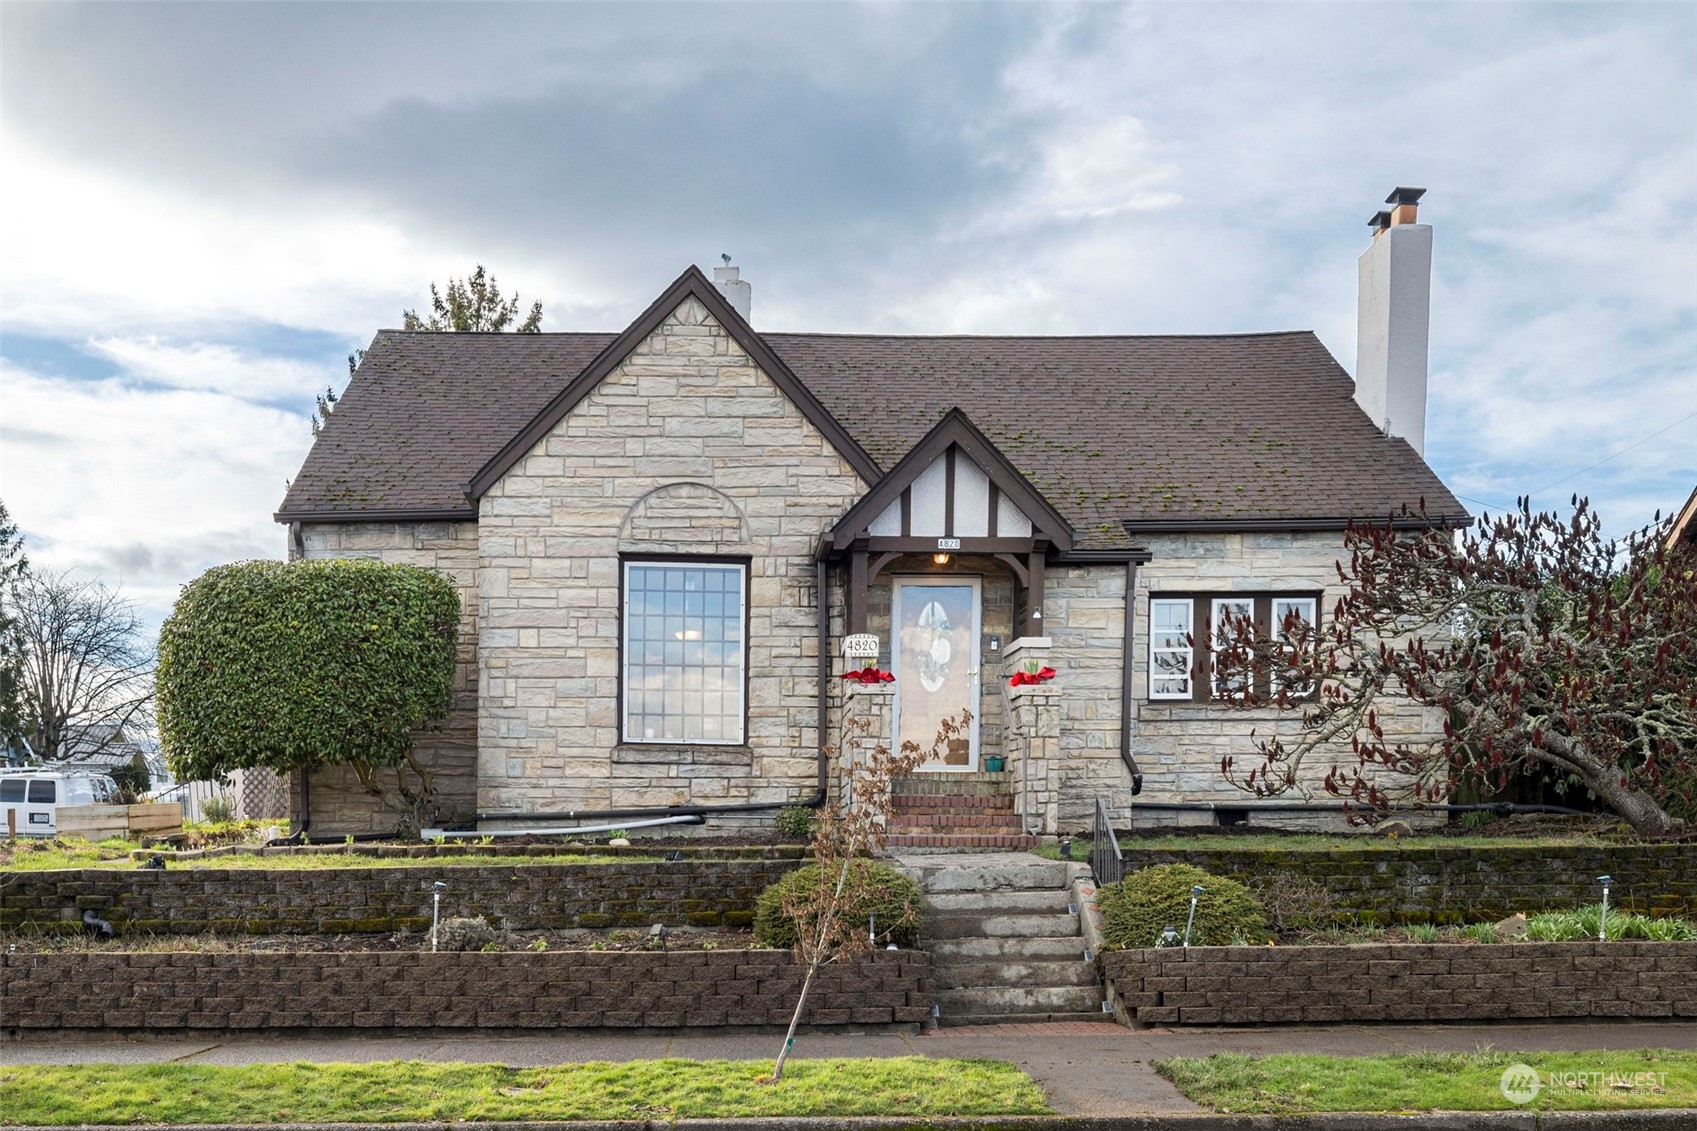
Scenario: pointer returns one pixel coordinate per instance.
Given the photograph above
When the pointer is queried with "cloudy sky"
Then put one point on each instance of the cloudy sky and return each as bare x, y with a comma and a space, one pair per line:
205, 207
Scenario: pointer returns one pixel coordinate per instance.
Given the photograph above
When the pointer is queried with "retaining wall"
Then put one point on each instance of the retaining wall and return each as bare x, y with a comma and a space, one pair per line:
578, 990
1239, 985
1446, 884
700, 893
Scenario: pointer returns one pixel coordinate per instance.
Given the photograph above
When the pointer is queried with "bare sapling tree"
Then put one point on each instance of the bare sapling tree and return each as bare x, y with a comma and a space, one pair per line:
845, 836
85, 673
1542, 646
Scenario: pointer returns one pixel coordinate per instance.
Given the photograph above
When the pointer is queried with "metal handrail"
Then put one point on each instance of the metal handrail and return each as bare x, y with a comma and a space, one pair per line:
1106, 862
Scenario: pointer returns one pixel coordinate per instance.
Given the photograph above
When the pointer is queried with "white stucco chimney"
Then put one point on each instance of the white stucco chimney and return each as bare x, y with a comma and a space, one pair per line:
1394, 320
730, 283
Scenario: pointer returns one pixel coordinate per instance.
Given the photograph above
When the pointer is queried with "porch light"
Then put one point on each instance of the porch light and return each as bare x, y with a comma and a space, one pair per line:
941, 559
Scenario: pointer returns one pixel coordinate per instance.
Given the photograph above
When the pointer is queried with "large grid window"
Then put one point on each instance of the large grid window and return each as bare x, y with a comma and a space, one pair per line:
684, 654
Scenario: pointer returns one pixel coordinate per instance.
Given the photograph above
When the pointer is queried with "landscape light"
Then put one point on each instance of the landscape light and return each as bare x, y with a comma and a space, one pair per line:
436, 891
1195, 894
1603, 920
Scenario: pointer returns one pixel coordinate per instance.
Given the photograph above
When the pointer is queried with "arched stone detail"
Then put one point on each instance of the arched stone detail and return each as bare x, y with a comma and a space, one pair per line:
685, 518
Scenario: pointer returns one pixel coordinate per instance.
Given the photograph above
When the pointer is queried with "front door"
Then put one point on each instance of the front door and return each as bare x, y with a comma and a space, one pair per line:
934, 655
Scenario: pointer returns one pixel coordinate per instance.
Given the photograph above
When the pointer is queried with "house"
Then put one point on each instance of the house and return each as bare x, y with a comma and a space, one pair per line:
1684, 526
665, 537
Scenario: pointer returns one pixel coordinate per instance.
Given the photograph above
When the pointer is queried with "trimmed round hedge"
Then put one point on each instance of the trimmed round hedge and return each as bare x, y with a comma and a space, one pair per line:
1137, 909
289, 665
872, 889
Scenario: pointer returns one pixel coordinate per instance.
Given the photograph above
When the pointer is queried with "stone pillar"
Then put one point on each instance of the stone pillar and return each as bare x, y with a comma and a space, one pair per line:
872, 703
1033, 744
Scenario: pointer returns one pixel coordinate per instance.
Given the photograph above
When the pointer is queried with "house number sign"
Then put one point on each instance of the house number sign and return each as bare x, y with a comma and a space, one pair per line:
861, 646
948, 543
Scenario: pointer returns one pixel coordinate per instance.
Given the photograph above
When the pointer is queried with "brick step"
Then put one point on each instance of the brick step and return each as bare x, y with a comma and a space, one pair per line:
950, 801
954, 822
962, 841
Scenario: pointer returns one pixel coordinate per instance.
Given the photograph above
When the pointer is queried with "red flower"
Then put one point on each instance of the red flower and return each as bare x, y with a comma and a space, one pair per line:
870, 675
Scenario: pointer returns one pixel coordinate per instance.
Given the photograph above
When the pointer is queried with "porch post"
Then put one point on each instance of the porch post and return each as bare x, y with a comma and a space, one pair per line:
1031, 605
857, 584
1034, 738
871, 703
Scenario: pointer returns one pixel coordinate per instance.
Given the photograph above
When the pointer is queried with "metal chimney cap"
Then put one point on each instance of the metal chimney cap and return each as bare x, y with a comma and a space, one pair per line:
1401, 195
1379, 221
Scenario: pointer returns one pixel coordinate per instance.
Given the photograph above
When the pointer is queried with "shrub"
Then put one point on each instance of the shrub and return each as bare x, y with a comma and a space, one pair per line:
217, 809
464, 933
1294, 902
290, 665
873, 889
1137, 909
795, 822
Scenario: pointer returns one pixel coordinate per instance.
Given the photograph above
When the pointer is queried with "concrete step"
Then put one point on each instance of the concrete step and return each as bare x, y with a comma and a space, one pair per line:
981, 872
973, 924
1020, 999
962, 841
961, 1020
957, 974
954, 785
1012, 949
1052, 902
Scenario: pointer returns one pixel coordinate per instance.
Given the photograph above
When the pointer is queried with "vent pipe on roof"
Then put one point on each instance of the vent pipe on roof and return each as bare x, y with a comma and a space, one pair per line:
731, 284
1394, 320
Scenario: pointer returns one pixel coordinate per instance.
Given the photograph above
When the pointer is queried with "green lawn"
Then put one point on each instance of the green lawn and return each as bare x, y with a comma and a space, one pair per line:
400, 1091
118, 854
1571, 1081
1322, 842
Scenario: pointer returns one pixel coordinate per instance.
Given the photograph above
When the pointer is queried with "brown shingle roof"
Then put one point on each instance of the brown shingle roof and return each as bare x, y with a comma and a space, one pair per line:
1156, 430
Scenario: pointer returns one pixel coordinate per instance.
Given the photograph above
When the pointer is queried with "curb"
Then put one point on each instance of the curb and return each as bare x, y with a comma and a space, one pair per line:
1641, 1119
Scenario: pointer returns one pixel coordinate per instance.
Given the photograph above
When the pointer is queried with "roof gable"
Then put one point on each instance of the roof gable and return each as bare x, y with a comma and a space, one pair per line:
691, 284
957, 431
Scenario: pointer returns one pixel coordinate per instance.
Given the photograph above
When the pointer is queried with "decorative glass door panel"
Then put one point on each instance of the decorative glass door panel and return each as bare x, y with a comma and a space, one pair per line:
934, 654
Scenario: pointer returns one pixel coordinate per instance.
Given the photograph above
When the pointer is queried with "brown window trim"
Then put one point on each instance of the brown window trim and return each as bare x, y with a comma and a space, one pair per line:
641, 558
1202, 633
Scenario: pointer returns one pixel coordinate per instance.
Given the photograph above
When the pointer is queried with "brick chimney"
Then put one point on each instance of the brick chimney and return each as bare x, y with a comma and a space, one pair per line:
730, 283
1394, 320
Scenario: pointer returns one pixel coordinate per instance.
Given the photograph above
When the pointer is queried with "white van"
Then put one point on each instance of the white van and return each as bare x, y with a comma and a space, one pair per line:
30, 799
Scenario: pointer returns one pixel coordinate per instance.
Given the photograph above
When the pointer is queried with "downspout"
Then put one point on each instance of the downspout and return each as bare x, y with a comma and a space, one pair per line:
823, 574
1128, 703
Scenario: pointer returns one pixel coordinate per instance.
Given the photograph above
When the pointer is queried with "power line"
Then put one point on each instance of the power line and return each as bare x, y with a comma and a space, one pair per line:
1607, 458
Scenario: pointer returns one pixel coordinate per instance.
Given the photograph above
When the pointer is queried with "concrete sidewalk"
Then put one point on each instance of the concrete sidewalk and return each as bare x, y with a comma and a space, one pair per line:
1085, 1068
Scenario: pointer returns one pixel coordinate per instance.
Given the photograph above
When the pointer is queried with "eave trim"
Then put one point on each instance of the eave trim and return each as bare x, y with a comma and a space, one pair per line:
691, 284
956, 429
1135, 527
462, 514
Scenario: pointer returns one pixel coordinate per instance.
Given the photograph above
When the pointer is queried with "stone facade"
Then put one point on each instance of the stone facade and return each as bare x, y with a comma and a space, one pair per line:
337, 802
686, 448
1179, 744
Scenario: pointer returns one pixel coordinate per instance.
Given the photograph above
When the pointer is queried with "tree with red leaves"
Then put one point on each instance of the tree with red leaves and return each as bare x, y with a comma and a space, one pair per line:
1544, 647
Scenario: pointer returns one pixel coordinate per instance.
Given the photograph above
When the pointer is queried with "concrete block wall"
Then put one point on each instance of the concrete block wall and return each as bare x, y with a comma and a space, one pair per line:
1443, 884
163, 992
698, 893
1248, 985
